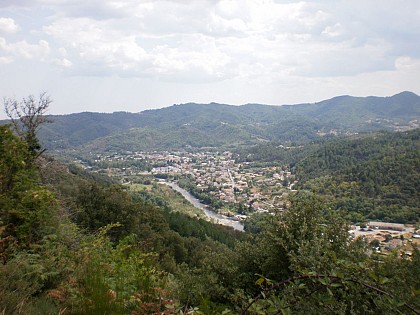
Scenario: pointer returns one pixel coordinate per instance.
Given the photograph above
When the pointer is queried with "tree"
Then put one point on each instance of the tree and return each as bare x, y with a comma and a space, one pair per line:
322, 271
375, 243
13, 155
27, 116
388, 237
27, 209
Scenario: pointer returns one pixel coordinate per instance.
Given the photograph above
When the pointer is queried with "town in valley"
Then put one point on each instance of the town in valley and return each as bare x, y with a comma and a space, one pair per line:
233, 189
242, 188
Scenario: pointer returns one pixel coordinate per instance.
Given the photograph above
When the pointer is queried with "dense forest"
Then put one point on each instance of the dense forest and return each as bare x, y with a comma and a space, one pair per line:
76, 243
214, 125
369, 176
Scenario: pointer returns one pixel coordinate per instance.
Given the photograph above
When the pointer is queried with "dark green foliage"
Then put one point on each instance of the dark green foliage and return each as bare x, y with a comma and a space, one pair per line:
113, 276
138, 255
375, 177
83, 127
27, 209
99, 206
14, 156
210, 125
210, 275
201, 229
270, 152
47, 264
105, 180
306, 226
322, 271
29, 229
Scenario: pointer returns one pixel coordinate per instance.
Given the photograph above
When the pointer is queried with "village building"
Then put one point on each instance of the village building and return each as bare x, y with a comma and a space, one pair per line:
386, 226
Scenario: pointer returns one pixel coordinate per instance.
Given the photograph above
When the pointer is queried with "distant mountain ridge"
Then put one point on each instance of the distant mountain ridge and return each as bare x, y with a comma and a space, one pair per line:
203, 125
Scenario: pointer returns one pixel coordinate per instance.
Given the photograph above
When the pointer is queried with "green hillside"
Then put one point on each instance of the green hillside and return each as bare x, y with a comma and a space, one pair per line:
199, 125
366, 113
73, 242
372, 177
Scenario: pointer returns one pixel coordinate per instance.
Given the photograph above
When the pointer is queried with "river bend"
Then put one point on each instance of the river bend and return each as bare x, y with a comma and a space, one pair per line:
218, 218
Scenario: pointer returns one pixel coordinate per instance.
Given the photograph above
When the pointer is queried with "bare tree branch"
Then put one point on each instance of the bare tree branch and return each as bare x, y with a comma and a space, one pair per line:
26, 117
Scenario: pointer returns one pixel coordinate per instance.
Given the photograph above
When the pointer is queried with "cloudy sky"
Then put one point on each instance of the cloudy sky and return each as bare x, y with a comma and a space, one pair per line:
113, 55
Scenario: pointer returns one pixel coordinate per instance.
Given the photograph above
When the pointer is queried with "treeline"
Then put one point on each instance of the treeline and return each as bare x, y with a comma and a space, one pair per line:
140, 165
374, 177
215, 125
74, 245
368, 176
269, 153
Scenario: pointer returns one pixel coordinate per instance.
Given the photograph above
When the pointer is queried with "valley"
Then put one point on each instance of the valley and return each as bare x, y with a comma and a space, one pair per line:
202, 209
218, 157
227, 187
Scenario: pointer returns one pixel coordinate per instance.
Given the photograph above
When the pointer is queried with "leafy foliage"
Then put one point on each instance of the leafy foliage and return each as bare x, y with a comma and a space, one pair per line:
323, 272
72, 243
376, 177
27, 209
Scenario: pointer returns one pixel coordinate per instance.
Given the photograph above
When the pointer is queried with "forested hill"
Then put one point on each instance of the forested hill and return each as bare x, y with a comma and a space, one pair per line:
73, 242
200, 125
373, 177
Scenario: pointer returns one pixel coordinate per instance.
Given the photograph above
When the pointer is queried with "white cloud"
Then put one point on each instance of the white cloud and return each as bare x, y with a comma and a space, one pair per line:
262, 48
160, 37
196, 58
119, 51
407, 64
6, 60
63, 62
15, 3
216, 40
25, 50
333, 31
8, 25
96, 44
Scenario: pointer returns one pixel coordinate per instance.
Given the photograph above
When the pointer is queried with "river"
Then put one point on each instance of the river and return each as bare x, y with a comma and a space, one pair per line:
218, 218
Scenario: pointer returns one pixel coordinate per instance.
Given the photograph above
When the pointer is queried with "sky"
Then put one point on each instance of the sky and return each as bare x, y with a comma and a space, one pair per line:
132, 55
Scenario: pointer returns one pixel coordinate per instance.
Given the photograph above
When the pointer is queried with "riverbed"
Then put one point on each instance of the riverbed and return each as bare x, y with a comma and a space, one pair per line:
216, 217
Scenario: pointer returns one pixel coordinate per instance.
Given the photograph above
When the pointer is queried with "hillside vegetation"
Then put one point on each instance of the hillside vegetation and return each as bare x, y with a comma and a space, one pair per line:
375, 177
77, 245
371, 176
75, 242
215, 125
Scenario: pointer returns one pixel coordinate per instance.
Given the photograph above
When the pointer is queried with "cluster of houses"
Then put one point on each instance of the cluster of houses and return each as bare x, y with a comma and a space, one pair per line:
389, 236
259, 189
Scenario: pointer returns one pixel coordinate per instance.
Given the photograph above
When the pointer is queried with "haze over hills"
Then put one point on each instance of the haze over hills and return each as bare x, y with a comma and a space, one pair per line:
208, 125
